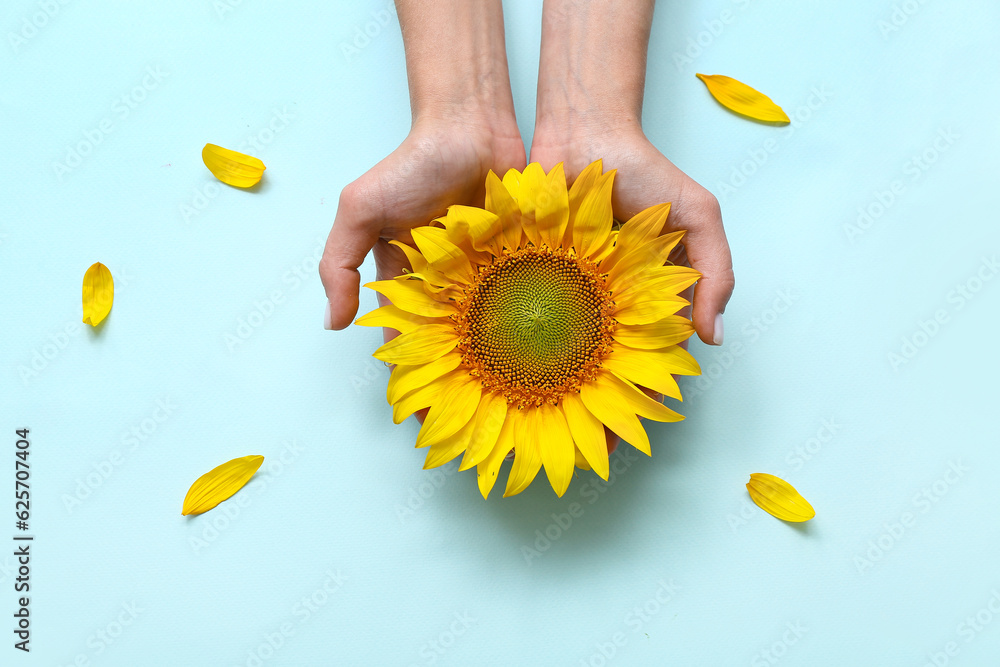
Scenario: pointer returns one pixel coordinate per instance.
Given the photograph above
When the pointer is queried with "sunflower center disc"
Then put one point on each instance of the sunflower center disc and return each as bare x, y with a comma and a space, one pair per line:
536, 325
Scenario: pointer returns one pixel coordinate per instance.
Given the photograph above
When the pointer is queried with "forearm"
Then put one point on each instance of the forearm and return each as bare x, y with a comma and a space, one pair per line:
456, 63
592, 67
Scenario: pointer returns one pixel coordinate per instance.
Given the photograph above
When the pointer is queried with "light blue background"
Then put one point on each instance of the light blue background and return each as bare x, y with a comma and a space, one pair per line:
817, 312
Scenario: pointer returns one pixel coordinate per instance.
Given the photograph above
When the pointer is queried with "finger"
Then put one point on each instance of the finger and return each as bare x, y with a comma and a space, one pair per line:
708, 252
354, 232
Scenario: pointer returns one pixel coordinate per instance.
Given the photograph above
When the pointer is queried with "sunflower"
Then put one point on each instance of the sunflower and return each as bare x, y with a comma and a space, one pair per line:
531, 324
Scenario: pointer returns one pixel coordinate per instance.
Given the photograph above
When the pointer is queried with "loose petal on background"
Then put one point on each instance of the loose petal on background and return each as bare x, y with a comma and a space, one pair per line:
98, 294
744, 100
778, 498
232, 168
219, 484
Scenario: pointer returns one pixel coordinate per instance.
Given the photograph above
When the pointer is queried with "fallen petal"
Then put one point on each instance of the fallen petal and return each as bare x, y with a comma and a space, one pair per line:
219, 484
744, 100
232, 168
98, 294
779, 498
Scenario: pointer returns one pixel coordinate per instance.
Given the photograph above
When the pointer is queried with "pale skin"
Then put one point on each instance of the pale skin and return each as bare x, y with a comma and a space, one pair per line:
591, 78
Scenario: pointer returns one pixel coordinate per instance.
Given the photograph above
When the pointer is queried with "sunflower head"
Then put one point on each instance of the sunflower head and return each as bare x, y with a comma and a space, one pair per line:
530, 325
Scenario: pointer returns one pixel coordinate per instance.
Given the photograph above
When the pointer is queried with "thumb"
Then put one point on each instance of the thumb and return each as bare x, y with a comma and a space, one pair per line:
354, 233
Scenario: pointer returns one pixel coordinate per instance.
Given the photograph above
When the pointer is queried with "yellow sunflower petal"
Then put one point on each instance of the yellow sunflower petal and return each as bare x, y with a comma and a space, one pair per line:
512, 183
442, 254
615, 414
594, 219
490, 416
583, 184
744, 100
552, 208
440, 453
483, 226
648, 256
451, 412
405, 379
392, 317
220, 483
489, 467
667, 331
641, 228
409, 295
588, 434
556, 447
531, 182
638, 310
98, 294
779, 498
646, 369
232, 168
423, 397
500, 202
580, 460
662, 280
527, 457
419, 346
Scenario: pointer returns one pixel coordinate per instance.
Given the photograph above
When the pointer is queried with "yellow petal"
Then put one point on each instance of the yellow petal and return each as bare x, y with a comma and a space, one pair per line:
640, 229
664, 332
580, 460
420, 346
490, 416
394, 318
423, 397
442, 254
649, 256
662, 280
532, 182
219, 484
489, 467
778, 498
647, 308
440, 453
98, 294
594, 219
410, 296
556, 447
649, 369
527, 457
744, 100
451, 412
583, 184
552, 208
405, 379
500, 202
232, 168
588, 434
616, 402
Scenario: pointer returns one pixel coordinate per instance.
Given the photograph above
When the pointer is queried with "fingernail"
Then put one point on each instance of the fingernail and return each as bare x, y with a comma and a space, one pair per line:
717, 333
327, 319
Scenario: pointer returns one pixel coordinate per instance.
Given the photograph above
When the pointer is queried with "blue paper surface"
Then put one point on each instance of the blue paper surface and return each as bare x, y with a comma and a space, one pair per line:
859, 363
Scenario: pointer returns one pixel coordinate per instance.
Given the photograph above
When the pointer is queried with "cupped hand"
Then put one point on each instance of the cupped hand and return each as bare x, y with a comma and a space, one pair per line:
644, 178
441, 162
